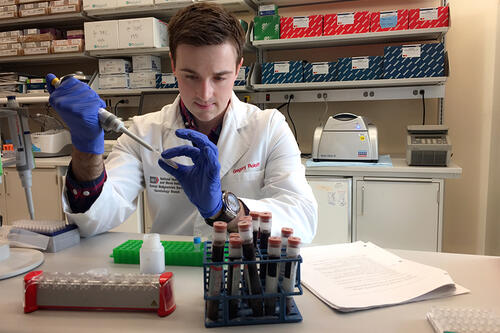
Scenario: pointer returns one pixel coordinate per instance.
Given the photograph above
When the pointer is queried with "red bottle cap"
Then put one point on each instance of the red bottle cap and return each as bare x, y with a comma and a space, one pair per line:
286, 232
255, 215
266, 216
220, 226
244, 226
294, 241
274, 241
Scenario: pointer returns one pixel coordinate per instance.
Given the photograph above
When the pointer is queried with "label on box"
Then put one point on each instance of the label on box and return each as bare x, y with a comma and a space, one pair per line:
388, 19
167, 79
8, 14
64, 9
300, 22
32, 31
320, 68
241, 74
282, 68
33, 12
11, 52
345, 18
428, 14
6, 40
361, 63
66, 48
36, 50
36, 81
411, 51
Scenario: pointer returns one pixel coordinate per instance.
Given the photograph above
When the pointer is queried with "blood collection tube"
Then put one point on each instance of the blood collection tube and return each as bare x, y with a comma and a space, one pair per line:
216, 272
285, 233
292, 251
255, 225
234, 275
266, 219
252, 279
274, 252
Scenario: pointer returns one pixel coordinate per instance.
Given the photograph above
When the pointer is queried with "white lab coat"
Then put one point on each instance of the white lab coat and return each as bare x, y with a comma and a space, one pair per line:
260, 163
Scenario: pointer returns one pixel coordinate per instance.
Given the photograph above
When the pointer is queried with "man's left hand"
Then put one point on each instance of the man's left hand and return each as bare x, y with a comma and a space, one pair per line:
200, 181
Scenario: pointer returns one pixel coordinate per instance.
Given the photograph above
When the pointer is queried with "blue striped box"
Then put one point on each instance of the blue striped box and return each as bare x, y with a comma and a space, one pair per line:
166, 80
282, 72
320, 71
360, 68
413, 61
242, 78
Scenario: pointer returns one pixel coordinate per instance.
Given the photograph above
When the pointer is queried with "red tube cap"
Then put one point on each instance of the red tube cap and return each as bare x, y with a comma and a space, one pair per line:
294, 241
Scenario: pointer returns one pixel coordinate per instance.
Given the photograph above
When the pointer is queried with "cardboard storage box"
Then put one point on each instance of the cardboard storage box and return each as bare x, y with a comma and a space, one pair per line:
101, 35
346, 23
37, 50
65, 6
412, 61
7, 37
114, 66
75, 34
142, 32
113, 81
282, 72
39, 35
320, 71
360, 68
143, 79
241, 79
8, 12
8, 2
301, 26
146, 63
10, 46
428, 18
11, 52
67, 45
166, 80
266, 27
98, 4
34, 9
129, 3
389, 20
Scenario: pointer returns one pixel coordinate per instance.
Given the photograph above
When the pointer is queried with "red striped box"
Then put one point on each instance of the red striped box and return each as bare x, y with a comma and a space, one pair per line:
346, 23
422, 18
389, 20
301, 26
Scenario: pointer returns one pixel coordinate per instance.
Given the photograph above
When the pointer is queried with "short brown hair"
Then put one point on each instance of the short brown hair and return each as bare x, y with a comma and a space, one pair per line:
204, 24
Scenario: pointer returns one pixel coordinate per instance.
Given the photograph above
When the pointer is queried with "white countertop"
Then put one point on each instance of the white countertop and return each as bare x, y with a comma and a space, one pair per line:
477, 273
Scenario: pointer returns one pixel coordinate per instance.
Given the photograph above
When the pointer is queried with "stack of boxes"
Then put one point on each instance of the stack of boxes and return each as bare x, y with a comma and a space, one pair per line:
29, 8
9, 43
74, 42
8, 9
124, 34
414, 61
241, 79
267, 24
114, 73
145, 70
38, 41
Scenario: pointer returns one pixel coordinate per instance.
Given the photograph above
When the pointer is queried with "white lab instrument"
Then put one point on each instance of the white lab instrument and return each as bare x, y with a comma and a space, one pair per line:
110, 122
51, 143
20, 135
345, 137
15, 261
428, 145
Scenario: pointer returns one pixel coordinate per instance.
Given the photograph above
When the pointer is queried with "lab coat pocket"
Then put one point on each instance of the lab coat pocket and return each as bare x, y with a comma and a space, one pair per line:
246, 184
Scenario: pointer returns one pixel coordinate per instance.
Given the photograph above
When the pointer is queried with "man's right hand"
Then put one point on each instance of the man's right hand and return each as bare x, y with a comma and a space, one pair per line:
77, 104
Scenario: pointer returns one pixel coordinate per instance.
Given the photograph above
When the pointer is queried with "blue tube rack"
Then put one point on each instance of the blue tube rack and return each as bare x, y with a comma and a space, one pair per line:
245, 316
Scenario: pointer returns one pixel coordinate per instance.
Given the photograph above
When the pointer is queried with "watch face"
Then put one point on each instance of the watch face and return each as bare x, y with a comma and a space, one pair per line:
232, 202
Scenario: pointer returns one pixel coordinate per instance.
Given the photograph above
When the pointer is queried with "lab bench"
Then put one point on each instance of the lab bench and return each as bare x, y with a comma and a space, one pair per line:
477, 273
396, 206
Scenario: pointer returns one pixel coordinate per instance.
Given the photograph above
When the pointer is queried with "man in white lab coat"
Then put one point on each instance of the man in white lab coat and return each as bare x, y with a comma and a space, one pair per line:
232, 157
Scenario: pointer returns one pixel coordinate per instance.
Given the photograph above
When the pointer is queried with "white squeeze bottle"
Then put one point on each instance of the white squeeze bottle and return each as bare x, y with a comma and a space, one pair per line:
152, 255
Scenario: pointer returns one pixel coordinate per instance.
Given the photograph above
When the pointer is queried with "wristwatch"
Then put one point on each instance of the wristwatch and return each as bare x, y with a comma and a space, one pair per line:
230, 209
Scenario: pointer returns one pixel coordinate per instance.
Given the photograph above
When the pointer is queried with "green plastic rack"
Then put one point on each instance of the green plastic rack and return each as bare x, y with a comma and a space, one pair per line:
177, 253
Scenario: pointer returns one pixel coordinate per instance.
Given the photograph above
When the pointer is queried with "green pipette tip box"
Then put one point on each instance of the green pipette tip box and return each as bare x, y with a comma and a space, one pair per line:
177, 253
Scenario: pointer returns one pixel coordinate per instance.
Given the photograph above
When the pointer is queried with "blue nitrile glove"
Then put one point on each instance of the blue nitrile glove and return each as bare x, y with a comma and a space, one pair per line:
77, 104
201, 181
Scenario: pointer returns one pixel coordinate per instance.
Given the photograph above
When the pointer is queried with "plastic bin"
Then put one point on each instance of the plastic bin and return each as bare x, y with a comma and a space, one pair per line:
244, 315
177, 253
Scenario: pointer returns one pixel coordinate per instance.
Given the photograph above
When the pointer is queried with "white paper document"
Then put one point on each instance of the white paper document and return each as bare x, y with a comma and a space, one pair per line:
357, 276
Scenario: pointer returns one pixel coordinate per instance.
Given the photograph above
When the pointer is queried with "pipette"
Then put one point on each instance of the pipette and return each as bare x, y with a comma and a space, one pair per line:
110, 122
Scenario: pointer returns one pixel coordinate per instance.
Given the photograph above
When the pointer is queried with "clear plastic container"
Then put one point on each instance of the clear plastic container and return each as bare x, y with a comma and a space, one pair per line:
463, 320
152, 255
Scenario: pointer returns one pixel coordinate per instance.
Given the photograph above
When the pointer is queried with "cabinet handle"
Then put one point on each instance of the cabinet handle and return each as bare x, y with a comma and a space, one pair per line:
362, 200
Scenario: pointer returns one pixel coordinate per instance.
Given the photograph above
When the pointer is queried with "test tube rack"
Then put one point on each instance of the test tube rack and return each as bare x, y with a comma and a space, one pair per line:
84, 291
245, 316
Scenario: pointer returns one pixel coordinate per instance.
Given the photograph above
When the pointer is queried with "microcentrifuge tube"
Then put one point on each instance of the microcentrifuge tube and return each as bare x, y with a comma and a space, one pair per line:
196, 244
255, 226
285, 233
234, 275
274, 252
216, 272
266, 219
253, 281
292, 251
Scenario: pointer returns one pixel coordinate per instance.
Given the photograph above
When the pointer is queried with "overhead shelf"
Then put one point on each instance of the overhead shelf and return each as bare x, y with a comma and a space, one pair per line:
45, 58
135, 92
129, 52
161, 11
352, 39
351, 84
59, 20
284, 3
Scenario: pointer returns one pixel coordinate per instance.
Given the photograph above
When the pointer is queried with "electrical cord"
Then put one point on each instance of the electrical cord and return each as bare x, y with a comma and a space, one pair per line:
422, 92
324, 112
291, 120
116, 104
